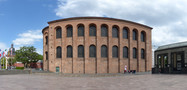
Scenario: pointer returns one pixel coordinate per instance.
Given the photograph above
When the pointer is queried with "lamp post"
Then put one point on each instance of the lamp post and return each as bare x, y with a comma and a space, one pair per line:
3, 63
6, 62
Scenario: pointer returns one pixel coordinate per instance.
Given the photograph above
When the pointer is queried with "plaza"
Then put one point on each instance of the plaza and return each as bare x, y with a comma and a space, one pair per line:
54, 81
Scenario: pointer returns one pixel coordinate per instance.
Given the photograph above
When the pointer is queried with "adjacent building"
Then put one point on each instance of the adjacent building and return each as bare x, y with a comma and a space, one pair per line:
96, 45
10, 56
171, 58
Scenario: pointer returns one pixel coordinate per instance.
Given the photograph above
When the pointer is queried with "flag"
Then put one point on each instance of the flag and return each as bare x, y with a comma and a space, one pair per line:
3, 53
0, 53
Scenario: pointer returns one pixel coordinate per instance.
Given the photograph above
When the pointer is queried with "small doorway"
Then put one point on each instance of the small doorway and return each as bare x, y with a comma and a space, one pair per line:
57, 69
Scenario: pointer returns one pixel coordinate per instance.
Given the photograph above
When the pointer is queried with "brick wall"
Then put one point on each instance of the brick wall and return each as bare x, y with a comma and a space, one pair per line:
98, 64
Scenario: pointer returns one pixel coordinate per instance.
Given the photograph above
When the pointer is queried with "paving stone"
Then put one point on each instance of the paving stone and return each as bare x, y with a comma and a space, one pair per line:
51, 81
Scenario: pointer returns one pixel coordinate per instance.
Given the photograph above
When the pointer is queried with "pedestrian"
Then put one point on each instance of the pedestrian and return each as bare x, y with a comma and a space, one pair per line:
125, 69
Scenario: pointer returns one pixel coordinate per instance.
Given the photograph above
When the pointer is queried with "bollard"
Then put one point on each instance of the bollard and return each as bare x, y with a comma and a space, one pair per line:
30, 71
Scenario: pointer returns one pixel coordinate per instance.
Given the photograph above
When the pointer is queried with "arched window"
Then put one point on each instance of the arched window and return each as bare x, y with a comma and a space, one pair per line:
115, 32
69, 31
104, 31
92, 30
104, 51
69, 51
142, 53
92, 51
134, 53
114, 51
125, 33
80, 51
143, 36
125, 52
81, 30
58, 52
134, 35
46, 55
46, 38
58, 32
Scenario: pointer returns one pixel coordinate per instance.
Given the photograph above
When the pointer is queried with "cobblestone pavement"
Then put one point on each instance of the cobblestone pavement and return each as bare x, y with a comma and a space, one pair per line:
121, 82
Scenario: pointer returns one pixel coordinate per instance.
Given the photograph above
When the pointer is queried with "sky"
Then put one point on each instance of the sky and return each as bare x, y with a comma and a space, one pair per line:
21, 21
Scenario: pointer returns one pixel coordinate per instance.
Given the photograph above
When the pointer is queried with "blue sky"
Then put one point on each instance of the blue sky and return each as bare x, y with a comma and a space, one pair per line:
21, 21
18, 17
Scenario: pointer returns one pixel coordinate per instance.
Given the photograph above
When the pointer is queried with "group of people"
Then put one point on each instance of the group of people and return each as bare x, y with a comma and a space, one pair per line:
129, 71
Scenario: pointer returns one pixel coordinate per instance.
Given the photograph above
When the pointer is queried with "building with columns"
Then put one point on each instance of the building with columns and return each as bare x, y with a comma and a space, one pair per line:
96, 45
171, 58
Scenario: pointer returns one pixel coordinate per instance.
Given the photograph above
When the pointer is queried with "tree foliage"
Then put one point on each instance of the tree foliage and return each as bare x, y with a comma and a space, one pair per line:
27, 54
11, 61
3, 60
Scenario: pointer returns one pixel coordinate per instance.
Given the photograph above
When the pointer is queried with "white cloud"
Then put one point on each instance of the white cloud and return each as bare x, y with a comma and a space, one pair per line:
167, 17
3, 46
28, 38
39, 51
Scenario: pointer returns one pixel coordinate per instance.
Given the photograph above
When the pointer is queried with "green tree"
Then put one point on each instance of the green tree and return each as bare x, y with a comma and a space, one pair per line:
27, 54
11, 61
40, 57
3, 62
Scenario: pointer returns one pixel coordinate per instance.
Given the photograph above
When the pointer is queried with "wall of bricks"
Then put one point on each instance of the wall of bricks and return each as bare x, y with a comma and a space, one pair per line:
98, 64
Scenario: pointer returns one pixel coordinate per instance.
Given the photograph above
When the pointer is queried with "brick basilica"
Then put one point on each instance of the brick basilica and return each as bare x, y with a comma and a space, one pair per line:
96, 45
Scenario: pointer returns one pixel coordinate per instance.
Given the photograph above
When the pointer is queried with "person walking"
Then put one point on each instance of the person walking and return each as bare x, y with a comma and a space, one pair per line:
125, 69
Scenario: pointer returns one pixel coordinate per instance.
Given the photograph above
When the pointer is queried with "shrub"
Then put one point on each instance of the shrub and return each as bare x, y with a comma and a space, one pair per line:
21, 68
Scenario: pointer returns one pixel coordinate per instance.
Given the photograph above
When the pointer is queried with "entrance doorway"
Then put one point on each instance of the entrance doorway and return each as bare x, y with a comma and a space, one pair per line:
177, 61
163, 63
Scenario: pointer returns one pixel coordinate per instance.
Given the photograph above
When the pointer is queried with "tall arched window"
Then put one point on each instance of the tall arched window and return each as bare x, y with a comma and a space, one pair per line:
69, 31
58, 32
104, 51
114, 51
125, 52
69, 51
104, 31
92, 51
80, 51
135, 35
142, 53
134, 53
115, 33
92, 30
46, 55
46, 38
143, 36
125, 33
81, 30
58, 52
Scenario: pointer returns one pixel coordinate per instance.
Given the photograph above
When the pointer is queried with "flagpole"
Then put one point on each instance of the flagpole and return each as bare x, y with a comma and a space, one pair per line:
0, 63
0, 58
3, 62
6, 62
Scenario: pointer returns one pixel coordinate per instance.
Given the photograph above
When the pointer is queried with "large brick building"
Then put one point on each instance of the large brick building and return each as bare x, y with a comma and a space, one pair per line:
96, 45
